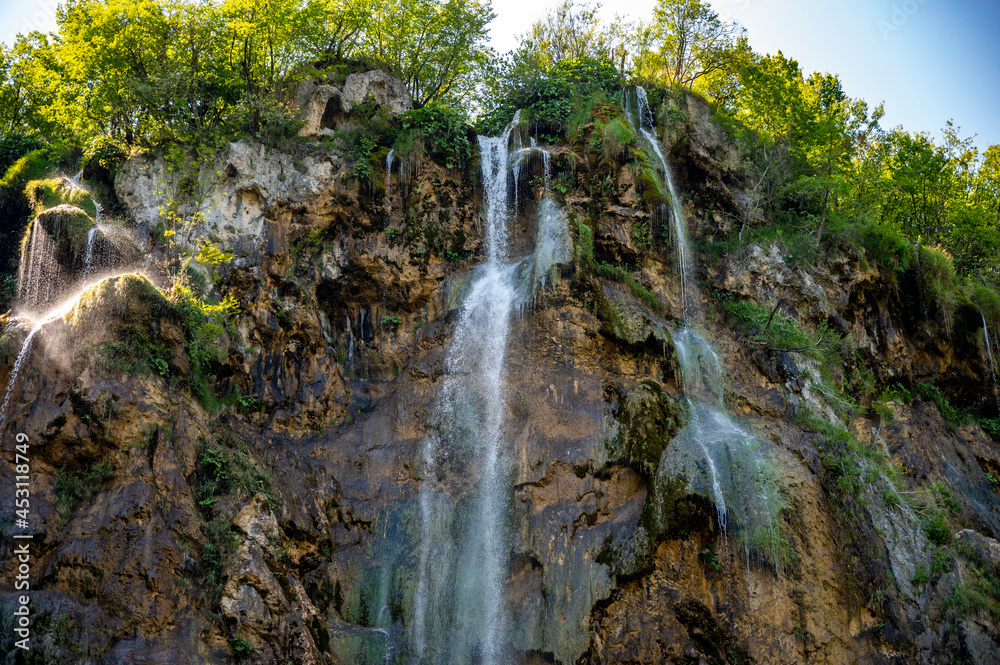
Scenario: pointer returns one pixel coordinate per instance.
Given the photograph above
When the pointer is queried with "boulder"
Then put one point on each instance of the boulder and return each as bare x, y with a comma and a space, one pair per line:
325, 108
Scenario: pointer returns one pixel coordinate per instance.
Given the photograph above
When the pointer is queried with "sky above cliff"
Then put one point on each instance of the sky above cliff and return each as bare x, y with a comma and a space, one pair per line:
929, 60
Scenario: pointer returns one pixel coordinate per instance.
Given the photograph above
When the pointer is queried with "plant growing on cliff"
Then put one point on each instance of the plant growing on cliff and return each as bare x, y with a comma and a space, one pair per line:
443, 130
75, 488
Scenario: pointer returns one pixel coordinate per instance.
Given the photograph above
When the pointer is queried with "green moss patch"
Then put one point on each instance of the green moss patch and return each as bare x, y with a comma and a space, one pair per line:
53, 192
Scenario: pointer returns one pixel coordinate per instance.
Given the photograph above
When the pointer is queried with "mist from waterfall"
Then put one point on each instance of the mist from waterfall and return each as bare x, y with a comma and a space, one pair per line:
459, 608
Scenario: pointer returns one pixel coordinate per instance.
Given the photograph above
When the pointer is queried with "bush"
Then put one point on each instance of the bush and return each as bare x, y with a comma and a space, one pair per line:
616, 136
73, 489
554, 101
886, 247
102, 156
444, 132
33, 166
987, 301
15, 146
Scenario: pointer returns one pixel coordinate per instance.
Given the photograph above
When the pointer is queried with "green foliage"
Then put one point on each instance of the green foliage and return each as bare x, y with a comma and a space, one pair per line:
933, 394
362, 155
104, 155
241, 649
45, 194
14, 146
33, 166
544, 93
622, 276
584, 246
230, 470
886, 247
391, 322
771, 326
976, 596
204, 324
444, 132
76, 488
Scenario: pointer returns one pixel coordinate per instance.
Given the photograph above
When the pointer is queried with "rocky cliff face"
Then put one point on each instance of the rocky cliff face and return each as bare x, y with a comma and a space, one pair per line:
286, 527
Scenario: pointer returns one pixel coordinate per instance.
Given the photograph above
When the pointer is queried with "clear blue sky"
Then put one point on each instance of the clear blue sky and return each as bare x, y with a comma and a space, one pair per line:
929, 60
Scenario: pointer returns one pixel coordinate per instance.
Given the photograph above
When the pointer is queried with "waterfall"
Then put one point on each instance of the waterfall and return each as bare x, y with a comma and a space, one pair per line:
463, 560
38, 273
388, 179
88, 260
993, 364
721, 460
641, 118
21, 358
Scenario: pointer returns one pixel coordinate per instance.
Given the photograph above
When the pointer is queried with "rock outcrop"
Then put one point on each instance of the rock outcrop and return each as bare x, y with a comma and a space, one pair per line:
326, 108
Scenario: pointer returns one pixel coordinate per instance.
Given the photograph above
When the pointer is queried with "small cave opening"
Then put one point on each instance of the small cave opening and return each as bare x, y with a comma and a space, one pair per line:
334, 109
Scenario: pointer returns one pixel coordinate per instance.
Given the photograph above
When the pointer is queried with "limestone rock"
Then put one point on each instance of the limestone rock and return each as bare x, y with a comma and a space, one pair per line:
252, 588
256, 521
325, 108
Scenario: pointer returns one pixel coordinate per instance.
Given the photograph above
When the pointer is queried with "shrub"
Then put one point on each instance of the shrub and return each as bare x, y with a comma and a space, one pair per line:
102, 156
616, 136
444, 132
15, 146
886, 247
73, 489
33, 166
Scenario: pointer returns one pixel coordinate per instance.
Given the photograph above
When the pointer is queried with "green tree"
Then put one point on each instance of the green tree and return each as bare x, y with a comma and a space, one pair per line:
435, 46
686, 41
574, 31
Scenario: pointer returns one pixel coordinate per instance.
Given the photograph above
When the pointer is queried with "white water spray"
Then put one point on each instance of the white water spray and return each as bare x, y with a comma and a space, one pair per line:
993, 364
459, 605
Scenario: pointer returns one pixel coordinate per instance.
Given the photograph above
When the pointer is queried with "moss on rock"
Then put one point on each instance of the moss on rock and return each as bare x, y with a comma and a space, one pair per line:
649, 419
68, 227
53, 192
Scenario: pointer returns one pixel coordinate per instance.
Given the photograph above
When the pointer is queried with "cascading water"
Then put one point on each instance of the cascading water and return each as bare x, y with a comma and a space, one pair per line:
89, 258
38, 272
641, 118
388, 178
993, 364
459, 605
720, 459
459, 613
22, 356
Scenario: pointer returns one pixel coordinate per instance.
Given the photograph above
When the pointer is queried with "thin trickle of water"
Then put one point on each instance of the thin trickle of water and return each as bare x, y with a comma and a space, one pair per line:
993, 364
21, 358
388, 171
641, 118
720, 459
89, 258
